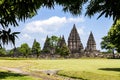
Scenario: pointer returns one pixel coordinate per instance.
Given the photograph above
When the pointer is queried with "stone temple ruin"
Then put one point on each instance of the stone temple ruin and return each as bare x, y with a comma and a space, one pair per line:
75, 45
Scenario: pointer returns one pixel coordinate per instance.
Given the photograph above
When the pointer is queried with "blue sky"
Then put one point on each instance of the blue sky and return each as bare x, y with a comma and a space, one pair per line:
56, 22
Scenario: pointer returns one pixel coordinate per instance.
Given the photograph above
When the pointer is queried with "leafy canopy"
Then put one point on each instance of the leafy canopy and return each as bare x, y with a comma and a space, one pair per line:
114, 34
107, 8
14, 11
24, 49
106, 43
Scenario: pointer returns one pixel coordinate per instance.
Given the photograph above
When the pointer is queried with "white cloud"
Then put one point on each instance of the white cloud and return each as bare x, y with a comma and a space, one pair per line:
26, 37
81, 30
43, 39
76, 20
50, 25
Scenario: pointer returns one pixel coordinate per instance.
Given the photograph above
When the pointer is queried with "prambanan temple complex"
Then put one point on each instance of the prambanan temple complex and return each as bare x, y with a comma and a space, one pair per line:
75, 45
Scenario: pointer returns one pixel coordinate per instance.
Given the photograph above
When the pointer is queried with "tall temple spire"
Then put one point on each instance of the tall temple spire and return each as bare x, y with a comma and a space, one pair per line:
74, 42
46, 44
61, 42
91, 44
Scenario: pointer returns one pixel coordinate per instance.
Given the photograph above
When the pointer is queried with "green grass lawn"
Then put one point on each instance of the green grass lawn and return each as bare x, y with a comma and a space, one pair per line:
85, 69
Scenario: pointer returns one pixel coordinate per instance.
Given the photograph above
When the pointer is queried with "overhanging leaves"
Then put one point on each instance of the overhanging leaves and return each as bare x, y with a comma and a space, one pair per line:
6, 36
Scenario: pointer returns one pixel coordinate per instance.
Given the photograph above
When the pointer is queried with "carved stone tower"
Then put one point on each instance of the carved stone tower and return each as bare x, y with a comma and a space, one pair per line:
61, 42
46, 47
74, 42
91, 44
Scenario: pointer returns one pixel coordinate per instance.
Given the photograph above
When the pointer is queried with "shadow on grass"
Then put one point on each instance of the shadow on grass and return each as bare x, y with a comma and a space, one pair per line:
4, 75
110, 69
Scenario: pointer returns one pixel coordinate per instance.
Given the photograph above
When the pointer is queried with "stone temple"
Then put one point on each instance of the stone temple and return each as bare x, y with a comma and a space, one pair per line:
74, 41
90, 49
75, 45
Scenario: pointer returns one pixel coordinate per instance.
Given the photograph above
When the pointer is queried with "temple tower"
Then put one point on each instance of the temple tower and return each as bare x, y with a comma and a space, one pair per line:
61, 42
90, 50
91, 44
74, 42
46, 48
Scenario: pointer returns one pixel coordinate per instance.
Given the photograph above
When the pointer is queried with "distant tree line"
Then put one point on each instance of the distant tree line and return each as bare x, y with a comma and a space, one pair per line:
35, 51
53, 46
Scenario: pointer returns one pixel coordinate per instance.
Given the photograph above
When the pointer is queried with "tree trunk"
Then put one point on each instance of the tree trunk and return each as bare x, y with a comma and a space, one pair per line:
113, 54
38, 55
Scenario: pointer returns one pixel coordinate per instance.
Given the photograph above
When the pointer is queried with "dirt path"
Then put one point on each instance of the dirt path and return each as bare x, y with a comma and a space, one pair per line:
43, 77
17, 70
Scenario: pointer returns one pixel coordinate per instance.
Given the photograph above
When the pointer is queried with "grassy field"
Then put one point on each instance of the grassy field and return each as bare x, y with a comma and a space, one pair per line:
85, 69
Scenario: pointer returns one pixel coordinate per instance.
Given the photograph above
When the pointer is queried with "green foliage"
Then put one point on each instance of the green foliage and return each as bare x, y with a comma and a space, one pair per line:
107, 8
2, 51
106, 43
36, 49
72, 6
6, 36
114, 34
15, 52
12, 12
24, 49
63, 51
19, 10
11, 52
52, 43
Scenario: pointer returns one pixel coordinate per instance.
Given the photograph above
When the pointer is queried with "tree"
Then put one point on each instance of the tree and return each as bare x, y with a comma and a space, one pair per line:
11, 53
36, 49
108, 8
12, 12
114, 34
53, 43
54, 40
15, 9
50, 44
64, 51
2, 52
106, 44
25, 50
7, 37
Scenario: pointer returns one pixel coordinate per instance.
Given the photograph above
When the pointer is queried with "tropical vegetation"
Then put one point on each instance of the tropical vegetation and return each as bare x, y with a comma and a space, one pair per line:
12, 12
